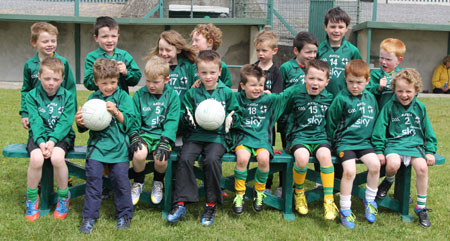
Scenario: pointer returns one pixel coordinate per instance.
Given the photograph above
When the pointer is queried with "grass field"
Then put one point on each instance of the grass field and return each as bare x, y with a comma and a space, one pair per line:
267, 225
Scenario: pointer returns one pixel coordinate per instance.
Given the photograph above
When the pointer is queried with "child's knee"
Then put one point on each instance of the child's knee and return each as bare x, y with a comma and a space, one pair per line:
58, 161
140, 155
349, 173
36, 161
421, 170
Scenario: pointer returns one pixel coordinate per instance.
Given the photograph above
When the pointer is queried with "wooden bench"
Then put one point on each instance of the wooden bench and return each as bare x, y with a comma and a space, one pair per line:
282, 163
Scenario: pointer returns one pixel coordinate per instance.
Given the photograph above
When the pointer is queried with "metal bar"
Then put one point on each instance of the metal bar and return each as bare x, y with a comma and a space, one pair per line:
77, 8
161, 8
286, 24
149, 14
270, 12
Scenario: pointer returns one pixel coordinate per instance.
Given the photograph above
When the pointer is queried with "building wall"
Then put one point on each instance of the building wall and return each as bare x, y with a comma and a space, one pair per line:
138, 40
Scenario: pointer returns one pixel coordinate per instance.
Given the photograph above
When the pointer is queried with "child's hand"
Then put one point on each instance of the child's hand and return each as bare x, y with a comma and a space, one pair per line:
112, 108
430, 159
267, 92
383, 83
382, 159
25, 123
43, 147
79, 117
49, 145
122, 68
196, 84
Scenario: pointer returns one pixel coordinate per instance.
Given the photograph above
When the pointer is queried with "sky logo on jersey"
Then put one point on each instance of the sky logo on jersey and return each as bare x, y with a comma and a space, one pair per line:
253, 121
408, 132
315, 121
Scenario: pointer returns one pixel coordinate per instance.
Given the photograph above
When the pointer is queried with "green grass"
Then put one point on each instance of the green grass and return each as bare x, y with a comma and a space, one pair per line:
267, 225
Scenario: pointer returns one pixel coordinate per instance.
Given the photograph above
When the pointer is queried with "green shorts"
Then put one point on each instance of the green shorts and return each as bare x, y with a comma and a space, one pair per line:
151, 142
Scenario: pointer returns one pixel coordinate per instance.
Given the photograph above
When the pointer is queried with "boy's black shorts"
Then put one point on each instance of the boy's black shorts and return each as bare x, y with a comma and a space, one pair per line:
66, 146
347, 155
308, 147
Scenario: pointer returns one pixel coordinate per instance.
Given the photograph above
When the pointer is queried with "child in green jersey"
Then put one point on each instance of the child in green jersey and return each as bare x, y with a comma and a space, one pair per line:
308, 135
391, 55
108, 147
208, 36
44, 39
51, 110
350, 120
254, 138
106, 34
158, 108
403, 134
335, 50
198, 141
172, 47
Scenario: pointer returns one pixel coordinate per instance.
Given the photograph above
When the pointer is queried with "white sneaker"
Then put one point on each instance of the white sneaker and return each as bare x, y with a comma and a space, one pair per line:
318, 185
157, 192
136, 191
278, 191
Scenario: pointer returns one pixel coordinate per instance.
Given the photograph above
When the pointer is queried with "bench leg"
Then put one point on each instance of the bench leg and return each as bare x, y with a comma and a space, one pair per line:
167, 201
47, 197
288, 182
402, 192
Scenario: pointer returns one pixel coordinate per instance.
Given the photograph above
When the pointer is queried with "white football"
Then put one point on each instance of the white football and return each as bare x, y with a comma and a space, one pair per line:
95, 115
210, 114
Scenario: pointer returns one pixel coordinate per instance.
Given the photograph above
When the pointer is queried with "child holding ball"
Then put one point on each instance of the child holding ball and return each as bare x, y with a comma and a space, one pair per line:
209, 143
108, 147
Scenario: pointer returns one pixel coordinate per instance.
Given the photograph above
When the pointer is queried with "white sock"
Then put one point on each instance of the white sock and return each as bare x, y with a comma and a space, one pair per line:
390, 179
371, 194
345, 202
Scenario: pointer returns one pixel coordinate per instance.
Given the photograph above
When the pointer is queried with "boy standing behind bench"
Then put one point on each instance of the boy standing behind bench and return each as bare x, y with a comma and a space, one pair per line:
51, 110
106, 34
44, 39
108, 147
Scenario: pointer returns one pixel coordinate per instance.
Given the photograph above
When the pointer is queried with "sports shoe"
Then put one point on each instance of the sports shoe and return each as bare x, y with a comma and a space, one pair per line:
278, 191
331, 211
238, 204
157, 192
123, 222
208, 215
371, 210
136, 191
87, 225
62, 208
258, 201
347, 218
32, 211
383, 189
177, 212
300, 203
424, 220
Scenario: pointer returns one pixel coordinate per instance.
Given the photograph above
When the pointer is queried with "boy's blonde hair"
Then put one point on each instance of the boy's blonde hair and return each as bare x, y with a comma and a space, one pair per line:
357, 68
209, 31
156, 67
268, 37
409, 75
393, 45
446, 60
39, 27
251, 70
105, 68
53, 64
209, 56
173, 38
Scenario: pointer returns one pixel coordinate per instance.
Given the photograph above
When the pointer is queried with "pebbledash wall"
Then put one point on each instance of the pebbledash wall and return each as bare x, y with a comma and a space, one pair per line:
137, 36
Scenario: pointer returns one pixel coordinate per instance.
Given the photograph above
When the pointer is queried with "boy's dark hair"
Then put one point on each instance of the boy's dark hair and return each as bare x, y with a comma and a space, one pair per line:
53, 64
251, 70
320, 65
105, 68
209, 56
104, 21
303, 38
337, 15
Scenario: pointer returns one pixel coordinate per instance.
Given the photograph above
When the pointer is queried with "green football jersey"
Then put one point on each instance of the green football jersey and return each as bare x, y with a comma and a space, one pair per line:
111, 144
30, 79
383, 96
404, 130
225, 75
133, 73
337, 60
259, 117
51, 119
182, 77
157, 116
222, 94
292, 73
308, 117
350, 120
